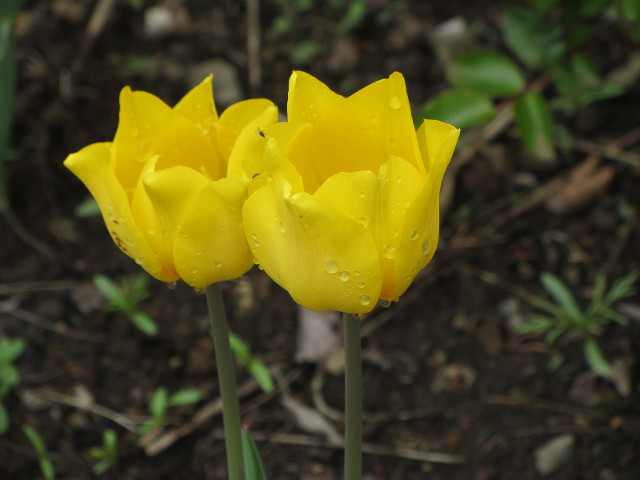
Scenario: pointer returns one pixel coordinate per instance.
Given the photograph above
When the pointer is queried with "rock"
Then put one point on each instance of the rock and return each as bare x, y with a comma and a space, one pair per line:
553, 453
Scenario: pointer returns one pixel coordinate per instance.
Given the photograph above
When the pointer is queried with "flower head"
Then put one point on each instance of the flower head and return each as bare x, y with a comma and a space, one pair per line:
343, 205
161, 184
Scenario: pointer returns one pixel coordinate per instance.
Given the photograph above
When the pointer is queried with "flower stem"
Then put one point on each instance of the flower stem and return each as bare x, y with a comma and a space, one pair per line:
227, 379
353, 398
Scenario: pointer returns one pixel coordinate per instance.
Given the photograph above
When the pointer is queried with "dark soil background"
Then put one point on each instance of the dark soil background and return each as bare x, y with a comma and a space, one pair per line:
444, 368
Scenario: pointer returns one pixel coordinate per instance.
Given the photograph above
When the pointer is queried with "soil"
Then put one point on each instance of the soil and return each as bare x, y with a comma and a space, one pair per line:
445, 370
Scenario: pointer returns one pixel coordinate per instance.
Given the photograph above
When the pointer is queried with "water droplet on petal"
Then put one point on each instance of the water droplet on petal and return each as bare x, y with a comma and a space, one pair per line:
385, 303
344, 276
426, 246
356, 273
330, 266
398, 179
414, 235
218, 264
356, 315
194, 269
388, 252
395, 103
363, 221
361, 285
363, 195
281, 227
365, 300
172, 285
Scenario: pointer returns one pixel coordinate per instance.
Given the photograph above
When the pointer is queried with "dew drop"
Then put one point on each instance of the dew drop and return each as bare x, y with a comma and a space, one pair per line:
385, 303
218, 264
172, 285
223, 228
356, 273
363, 195
194, 269
388, 252
395, 103
365, 300
112, 217
254, 236
426, 246
330, 266
361, 285
281, 227
398, 179
356, 315
363, 221
344, 276
199, 291
414, 235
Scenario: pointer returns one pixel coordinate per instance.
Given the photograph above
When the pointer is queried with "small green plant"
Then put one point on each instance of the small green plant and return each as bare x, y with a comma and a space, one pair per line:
553, 42
565, 317
10, 350
46, 467
107, 454
126, 297
161, 401
257, 369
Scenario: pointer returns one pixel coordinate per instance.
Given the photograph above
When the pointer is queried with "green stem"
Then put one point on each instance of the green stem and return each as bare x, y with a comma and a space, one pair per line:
353, 398
227, 379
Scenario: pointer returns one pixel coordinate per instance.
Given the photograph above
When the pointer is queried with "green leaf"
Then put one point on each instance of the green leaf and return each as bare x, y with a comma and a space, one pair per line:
88, 208
487, 72
9, 378
185, 397
101, 467
542, 6
144, 323
589, 8
261, 373
239, 348
35, 439
595, 359
110, 441
533, 39
158, 404
4, 419
562, 295
460, 108
536, 323
534, 123
10, 349
109, 289
46, 467
629, 9
253, 469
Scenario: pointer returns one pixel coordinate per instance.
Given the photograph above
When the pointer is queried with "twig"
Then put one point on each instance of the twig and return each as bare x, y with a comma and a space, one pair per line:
398, 452
27, 238
22, 287
96, 24
81, 404
9, 307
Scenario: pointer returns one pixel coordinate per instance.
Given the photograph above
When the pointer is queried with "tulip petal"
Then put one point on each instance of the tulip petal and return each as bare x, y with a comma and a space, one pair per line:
309, 98
400, 184
324, 259
418, 237
182, 143
382, 116
211, 244
255, 115
142, 117
92, 166
198, 106
171, 192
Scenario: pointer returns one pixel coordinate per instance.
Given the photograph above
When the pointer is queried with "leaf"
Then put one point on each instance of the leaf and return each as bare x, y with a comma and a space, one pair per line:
35, 439
536, 323
487, 72
4, 419
562, 295
10, 349
261, 373
108, 288
110, 441
532, 39
239, 348
462, 109
144, 323
595, 359
542, 5
158, 404
629, 9
253, 469
185, 397
534, 123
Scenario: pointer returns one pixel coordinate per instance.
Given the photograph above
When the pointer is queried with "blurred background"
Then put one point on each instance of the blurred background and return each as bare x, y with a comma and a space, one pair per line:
515, 352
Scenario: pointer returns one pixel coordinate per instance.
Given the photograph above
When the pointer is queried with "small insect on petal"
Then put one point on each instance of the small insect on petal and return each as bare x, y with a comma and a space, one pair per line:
260, 132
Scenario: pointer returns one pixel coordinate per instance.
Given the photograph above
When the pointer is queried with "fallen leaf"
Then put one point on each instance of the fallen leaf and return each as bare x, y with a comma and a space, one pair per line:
310, 420
318, 335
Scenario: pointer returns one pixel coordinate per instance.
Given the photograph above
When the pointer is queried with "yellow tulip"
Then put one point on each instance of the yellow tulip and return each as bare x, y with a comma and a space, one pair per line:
161, 184
343, 197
